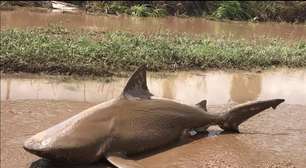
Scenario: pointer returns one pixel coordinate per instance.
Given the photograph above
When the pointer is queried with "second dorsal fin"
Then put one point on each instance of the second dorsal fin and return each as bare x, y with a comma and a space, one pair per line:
202, 105
137, 85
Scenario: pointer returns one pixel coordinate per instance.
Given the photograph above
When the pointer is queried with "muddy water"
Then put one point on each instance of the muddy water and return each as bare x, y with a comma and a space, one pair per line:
189, 87
22, 18
274, 138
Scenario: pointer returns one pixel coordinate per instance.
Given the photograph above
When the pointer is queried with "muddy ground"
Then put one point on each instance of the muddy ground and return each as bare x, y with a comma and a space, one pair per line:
274, 138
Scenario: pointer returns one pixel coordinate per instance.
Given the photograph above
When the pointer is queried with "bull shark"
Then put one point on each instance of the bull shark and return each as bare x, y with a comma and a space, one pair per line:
133, 123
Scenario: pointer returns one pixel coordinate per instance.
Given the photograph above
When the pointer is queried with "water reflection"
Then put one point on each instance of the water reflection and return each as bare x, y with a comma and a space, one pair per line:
23, 18
189, 87
168, 89
249, 85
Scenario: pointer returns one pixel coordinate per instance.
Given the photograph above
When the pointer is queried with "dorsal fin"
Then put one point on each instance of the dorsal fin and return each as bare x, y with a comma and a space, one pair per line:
202, 105
137, 85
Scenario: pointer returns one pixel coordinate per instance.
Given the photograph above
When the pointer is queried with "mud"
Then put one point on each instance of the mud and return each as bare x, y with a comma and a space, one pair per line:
23, 18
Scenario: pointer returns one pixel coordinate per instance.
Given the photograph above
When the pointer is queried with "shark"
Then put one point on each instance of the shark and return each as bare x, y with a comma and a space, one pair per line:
133, 123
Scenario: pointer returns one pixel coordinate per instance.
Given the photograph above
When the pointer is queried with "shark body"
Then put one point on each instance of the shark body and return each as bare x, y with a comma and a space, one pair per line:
130, 124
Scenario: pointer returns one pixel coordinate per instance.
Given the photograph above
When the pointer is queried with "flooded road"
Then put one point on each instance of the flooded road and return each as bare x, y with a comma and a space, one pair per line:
274, 138
23, 18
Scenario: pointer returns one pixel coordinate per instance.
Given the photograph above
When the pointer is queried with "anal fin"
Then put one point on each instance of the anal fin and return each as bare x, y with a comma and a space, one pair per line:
121, 161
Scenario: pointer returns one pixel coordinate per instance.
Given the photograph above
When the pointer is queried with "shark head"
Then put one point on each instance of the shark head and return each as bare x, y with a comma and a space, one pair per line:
83, 137
41, 145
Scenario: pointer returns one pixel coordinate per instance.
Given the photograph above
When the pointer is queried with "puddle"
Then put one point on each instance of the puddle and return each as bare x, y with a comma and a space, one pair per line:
189, 87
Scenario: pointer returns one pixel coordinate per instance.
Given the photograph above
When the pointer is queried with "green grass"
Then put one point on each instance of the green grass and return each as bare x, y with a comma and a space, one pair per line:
58, 51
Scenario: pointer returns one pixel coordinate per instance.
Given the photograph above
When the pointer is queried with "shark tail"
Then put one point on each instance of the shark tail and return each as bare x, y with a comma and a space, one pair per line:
230, 120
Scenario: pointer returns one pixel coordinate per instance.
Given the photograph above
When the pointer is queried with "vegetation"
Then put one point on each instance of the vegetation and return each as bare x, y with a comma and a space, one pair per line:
56, 50
230, 10
118, 7
289, 11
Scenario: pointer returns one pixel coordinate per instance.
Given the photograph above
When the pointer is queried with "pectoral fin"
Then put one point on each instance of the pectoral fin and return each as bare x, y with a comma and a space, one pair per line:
121, 161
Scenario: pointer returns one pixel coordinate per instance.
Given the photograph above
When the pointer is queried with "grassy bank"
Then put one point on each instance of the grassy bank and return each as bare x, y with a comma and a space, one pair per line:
56, 50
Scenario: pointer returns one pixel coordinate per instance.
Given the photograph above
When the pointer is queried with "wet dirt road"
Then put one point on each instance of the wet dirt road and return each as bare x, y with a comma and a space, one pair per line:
274, 138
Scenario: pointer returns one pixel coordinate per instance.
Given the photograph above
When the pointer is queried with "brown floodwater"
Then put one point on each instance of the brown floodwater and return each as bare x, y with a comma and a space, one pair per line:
218, 87
28, 17
274, 138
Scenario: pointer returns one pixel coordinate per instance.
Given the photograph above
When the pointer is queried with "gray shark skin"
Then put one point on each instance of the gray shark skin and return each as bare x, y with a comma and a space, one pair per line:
130, 124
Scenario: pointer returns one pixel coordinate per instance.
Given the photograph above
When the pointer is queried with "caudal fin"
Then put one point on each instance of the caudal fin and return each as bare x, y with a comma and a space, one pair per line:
231, 119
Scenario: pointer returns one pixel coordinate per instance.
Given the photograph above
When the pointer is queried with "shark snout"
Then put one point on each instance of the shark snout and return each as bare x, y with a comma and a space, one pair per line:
33, 146
46, 148
36, 146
